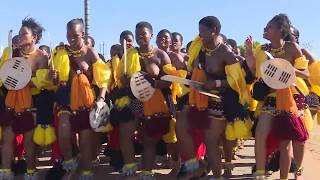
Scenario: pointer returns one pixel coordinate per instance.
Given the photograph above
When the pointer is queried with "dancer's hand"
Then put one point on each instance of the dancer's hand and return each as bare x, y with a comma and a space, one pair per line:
249, 46
53, 74
250, 59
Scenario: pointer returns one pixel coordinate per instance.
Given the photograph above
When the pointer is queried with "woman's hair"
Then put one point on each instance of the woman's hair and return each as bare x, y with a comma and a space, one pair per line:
163, 31
46, 48
283, 23
125, 33
211, 22
74, 22
144, 24
118, 50
174, 34
34, 26
86, 38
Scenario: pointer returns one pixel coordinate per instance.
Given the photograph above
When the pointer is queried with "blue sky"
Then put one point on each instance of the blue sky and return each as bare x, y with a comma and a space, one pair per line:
109, 18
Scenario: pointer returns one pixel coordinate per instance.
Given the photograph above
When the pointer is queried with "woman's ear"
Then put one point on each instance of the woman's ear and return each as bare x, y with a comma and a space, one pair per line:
35, 38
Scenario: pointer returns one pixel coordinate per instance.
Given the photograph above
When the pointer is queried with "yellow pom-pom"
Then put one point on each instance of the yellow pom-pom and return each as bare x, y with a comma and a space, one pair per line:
248, 122
109, 127
123, 101
229, 132
105, 129
50, 135
39, 135
171, 136
308, 121
240, 129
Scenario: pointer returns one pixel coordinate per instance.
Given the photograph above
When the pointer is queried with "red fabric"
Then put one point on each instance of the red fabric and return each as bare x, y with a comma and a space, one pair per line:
198, 119
19, 149
198, 143
6, 117
272, 143
23, 122
56, 153
201, 151
115, 138
80, 121
289, 126
273, 140
156, 127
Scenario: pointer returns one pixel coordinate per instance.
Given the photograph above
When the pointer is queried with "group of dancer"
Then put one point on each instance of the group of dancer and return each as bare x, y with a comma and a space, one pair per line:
71, 79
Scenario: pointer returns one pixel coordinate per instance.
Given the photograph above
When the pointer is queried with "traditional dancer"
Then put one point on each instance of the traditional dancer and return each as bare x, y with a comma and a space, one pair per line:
17, 117
281, 108
126, 110
212, 62
314, 79
77, 68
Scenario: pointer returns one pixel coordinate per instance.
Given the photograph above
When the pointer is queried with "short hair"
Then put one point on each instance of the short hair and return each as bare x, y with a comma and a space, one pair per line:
163, 31
174, 34
125, 33
34, 26
118, 48
283, 23
211, 22
188, 46
144, 24
86, 38
15, 39
46, 48
232, 43
73, 22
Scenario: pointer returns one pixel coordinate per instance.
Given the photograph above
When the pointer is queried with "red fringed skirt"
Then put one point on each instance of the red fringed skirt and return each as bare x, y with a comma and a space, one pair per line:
79, 120
157, 125
20, 122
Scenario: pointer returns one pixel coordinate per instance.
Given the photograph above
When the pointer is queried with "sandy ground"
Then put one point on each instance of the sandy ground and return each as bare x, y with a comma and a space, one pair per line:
241, 171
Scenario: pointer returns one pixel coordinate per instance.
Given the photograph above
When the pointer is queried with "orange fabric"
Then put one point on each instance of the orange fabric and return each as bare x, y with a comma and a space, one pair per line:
195, 98
81, 93
156, 104
285, 101
19, 100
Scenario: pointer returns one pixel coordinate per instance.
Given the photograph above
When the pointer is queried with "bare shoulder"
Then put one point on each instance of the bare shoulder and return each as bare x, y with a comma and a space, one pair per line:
291, 45
163, 56
228, 55
42, 60
93, 54
293, 49
158, 52
308, 54
176, 56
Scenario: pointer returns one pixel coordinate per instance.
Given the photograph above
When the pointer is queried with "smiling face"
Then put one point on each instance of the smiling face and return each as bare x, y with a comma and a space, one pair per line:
75, 35
143, 36
164, 40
